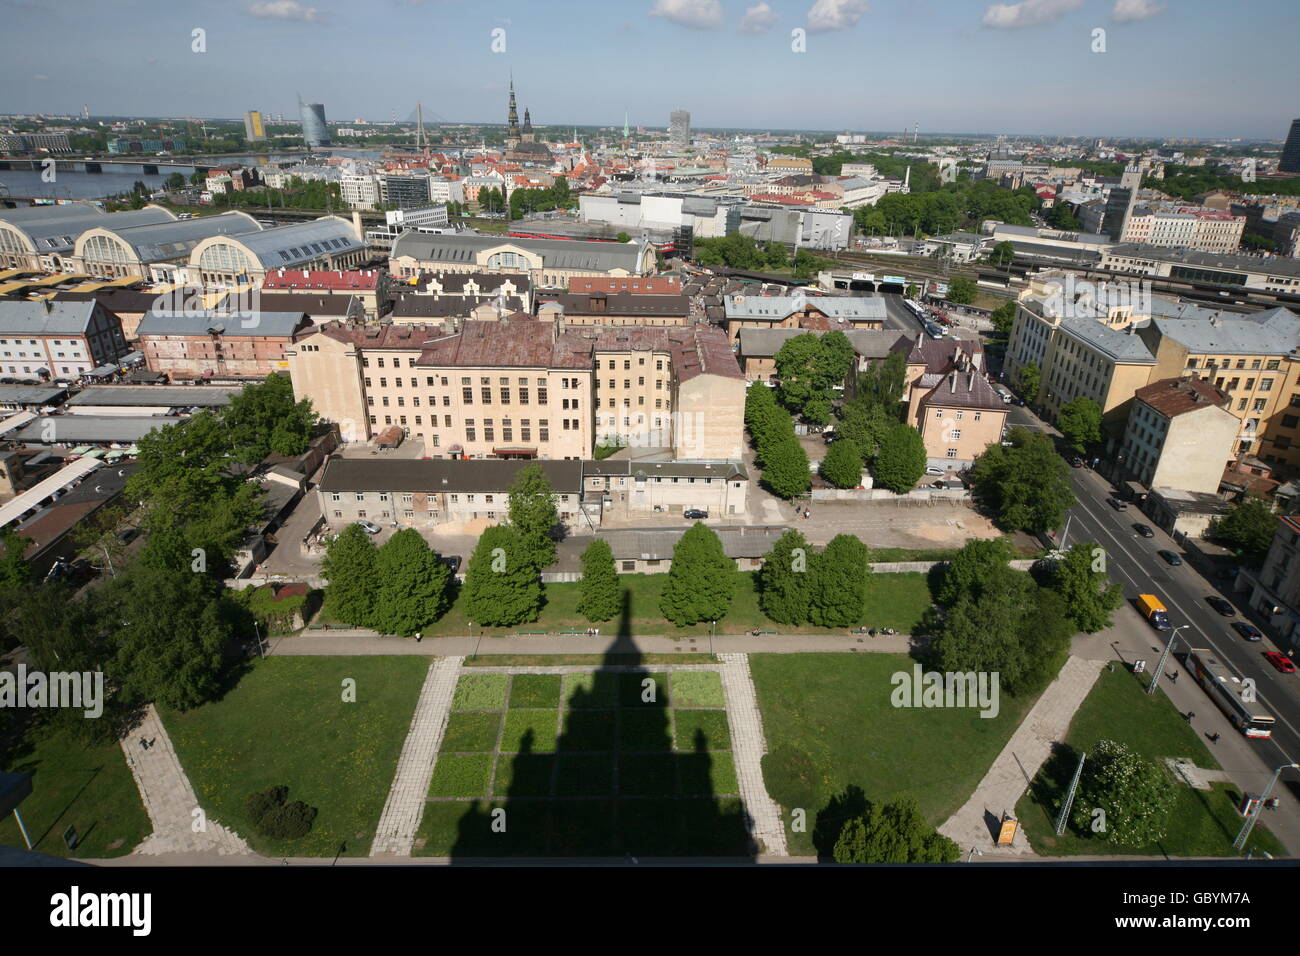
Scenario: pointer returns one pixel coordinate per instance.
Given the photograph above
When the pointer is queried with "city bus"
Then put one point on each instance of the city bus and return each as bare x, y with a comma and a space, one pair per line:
1225, 688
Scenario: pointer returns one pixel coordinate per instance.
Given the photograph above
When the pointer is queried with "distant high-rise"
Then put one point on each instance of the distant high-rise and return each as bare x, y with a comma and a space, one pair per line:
679, 128
1290, 162
314, 130
254, 128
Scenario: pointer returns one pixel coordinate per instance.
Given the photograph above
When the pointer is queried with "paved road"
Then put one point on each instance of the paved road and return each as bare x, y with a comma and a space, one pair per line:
899, 317
1134, 564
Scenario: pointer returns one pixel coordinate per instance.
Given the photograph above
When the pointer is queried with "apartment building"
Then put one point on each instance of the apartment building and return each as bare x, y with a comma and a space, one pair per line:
823, 313
1088, 359
370, 286
57, 339
1272, 274
1275, 588
950, 401
758, 347
210, 345
1180, 434
1180, 226
619, 308
527, 388
546, 262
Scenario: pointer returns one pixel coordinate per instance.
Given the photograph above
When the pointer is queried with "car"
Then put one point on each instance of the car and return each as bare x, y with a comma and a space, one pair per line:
1220, 605
451, 560
934, 471
694, 513
1076, 462
369, 527
1248, 631
1280, 661
1117, 503
828, 436
127, 535
1170, 558
58, 570
1144, 530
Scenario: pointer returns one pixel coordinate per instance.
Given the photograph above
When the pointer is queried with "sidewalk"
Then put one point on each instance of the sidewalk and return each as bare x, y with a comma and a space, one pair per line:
748, 745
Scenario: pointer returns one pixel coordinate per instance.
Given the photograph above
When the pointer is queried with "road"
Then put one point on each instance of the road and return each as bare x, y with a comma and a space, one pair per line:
899, 317
1133, 563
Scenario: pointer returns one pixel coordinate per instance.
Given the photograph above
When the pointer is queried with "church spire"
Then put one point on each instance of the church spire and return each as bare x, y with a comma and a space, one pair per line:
512, 119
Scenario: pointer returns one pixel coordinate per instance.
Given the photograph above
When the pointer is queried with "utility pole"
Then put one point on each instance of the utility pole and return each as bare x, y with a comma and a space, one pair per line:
1249, 825
1069, 796
1164, 656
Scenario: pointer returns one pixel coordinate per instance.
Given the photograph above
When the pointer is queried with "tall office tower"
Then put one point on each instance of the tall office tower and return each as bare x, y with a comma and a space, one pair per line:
254, 129
1290, 162
679, 128
314, 130
1120, 202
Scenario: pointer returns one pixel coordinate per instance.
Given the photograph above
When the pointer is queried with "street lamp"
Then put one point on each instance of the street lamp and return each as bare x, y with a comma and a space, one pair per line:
1068, 519
1249, 825
1164, 656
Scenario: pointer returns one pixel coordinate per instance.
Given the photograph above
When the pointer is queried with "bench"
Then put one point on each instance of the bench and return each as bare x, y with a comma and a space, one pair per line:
530, 633
860, 630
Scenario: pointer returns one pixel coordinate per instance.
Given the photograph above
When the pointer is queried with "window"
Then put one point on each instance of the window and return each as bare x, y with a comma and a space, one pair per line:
334, 496
977, 415
1266, 385
629, 565
956, 434
505, 394
1258, 405
541, 392
525, 430
952, 452
959, 416
489, 432
523, 393
367, 381
487, 395
507, 430
469, 430
543, 430
1250, 385
467, 395
938, 413
383, 382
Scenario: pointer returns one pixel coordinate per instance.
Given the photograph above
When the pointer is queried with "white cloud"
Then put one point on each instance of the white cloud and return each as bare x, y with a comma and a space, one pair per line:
827, 15
1027, 13
698, 14
1129, 11
758, 19
283, 10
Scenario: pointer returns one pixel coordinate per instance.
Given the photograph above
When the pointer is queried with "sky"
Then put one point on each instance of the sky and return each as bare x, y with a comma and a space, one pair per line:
1159, 68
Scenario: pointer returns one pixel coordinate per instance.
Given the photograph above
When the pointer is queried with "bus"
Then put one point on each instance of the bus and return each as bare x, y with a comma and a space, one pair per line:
1225, 688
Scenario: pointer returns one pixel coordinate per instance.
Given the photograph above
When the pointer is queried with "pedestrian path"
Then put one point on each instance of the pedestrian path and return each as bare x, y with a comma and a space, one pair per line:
395, 835
748, 745
169, 798
975, 825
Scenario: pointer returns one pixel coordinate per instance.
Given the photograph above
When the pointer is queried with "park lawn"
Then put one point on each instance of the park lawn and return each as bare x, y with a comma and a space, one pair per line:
73, 784
1201, 823
594, 661
830, 726
893, 600
285, 723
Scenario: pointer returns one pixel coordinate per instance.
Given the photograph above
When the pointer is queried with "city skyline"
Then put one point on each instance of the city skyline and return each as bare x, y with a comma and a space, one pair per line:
260, 54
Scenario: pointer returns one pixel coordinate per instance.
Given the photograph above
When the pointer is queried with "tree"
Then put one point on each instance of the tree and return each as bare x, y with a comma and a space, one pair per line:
893, 833
839, 586
900, 463
1003, 318
796, 371
263, 418
1247, 526
1135, 793
785, 467
1080, 422
501, 586
976, 563
863, 424
883, 383
961, 291
601, 596
14, 570
413, 584
785, 579
533, 515
174, 182
1002, 253
623, 237
1087, 591
1029, 377
702, 580
352, 577
1027, 485
842, 466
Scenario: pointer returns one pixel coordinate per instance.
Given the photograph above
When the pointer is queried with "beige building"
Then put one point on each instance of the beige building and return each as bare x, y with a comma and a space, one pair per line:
951, 402
545, 262
811, 313
1275, 588
758, 347
525, 388
646, 487
1180, 434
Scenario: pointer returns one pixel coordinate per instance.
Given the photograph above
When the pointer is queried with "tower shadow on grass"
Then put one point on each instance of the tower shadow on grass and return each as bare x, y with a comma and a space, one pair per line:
614, 786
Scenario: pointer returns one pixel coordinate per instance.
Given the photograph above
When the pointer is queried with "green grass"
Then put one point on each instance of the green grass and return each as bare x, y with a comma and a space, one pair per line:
533, 731
585, 691
894, 600
830, 726
471, 731
87, 787
286, 723
697, 689
711, 723
461, 775
593, 661
535, 690
480, 692
1201, 823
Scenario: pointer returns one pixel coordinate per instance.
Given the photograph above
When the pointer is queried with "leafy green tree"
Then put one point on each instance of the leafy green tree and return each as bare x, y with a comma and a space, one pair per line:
976, 563
961, 291
900, 463
864, 424
413, 585
1003, 318
175, 181
1002, 253
1248, 526
1135, 792
796, 371
1029, 377
1080, 422
842, 466
623, 237
601, 596
883, 384
533, 515
839, 586
702, 580
894, 832
501, 586
785, 579
785, 467
263, 418
1027, 485
14, 570
1087, 590
351, 571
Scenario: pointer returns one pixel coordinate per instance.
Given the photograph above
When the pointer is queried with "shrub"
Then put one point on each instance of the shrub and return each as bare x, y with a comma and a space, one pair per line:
272, 816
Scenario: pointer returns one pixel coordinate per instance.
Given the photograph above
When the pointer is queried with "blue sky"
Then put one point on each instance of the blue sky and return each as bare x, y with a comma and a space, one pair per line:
1194, 68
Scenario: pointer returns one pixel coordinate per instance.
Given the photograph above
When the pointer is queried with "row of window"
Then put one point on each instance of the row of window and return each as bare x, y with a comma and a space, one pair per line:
408, 497
627, 363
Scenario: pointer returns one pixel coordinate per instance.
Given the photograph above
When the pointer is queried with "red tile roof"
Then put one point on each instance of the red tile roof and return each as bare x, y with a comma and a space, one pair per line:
1176, 396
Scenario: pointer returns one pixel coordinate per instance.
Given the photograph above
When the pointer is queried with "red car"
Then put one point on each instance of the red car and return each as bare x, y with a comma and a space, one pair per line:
1280, 661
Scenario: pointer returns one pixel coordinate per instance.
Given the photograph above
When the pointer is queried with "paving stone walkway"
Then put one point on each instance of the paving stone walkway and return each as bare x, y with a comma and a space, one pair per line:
400, 820
748, 745
976, 823
169, 798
